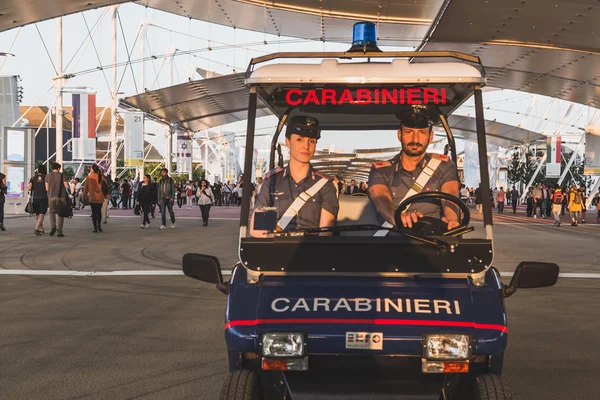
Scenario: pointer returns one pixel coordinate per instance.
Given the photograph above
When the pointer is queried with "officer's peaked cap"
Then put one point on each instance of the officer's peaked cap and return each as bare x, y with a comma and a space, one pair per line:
304, 126
415, 117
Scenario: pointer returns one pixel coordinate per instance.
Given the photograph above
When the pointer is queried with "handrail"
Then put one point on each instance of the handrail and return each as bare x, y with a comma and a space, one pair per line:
351, 55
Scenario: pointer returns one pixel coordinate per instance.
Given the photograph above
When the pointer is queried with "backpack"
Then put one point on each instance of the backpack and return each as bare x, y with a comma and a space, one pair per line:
577, 198
559, 198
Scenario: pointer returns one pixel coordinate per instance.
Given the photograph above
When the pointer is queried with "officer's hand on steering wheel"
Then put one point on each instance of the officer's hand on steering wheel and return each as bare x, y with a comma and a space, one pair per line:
410, 217
451, 224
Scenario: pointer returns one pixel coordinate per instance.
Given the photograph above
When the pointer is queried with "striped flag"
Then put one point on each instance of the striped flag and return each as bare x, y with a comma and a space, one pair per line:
84, 126
553, 157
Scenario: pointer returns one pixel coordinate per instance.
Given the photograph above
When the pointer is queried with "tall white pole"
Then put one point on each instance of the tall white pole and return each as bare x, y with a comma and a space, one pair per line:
59, 100
169, 146
113, 114
144, 29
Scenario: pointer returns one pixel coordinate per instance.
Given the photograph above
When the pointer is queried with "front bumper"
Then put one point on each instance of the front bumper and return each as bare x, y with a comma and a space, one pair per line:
360, 377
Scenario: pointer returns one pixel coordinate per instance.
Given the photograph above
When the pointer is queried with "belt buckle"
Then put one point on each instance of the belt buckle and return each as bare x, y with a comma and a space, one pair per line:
304, 197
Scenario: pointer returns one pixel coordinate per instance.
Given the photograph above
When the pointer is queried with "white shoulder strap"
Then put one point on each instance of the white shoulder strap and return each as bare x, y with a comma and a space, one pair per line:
299, 202
416, 188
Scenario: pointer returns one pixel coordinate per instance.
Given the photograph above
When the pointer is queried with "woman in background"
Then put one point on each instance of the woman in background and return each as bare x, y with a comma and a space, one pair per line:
37, 184
93, 189
205, 200
146, 198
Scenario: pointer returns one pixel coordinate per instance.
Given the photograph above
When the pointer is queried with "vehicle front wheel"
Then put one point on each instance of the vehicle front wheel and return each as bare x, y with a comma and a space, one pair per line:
243, 384
490, 387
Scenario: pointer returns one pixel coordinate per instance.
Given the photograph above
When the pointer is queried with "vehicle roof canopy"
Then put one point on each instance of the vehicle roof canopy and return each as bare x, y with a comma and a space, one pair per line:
340, 91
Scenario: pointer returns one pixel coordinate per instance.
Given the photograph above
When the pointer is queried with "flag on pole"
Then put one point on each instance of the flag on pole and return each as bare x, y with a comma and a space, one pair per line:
553, 157
184, 152
84, 126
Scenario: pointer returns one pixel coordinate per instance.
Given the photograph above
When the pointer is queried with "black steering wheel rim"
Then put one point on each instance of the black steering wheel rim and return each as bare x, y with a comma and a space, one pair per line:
432, 195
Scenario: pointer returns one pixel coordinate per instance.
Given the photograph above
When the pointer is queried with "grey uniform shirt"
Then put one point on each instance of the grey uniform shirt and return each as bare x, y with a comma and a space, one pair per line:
279, 190
399, 181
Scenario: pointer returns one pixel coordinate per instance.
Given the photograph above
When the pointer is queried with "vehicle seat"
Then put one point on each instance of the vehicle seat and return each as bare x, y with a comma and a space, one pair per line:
356, 210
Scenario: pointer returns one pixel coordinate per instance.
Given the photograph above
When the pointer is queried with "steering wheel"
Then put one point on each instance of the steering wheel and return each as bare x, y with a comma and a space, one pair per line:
431, 226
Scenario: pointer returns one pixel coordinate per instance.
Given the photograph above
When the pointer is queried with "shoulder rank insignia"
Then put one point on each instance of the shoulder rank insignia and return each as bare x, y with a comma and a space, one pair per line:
382, 164
274, 171
440, 157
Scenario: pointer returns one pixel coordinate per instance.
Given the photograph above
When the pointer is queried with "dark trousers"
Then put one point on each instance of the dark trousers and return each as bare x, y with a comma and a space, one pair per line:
145, 211
164, 205
1, 211
96, 213
500, 207
113, 200
529, 207
514, 205
205, 210
179, 201
124, 201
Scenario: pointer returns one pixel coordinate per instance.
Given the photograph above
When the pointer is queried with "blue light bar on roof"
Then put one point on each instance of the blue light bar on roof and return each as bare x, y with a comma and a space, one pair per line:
364, 33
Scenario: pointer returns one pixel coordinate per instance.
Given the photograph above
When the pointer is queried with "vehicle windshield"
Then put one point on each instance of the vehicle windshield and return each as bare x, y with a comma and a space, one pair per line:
359, 165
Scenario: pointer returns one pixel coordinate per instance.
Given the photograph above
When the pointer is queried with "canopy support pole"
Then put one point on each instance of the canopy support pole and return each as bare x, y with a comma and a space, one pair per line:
571, 160
278, 130
113, 111
486, 197
59, 99
247, 189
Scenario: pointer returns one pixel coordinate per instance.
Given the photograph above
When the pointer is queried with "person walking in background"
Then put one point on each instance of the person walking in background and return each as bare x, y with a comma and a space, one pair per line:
180, 194
3, 191
565, 203
93, 191
557, 200
105, 189
189, 195
530, 201
166, 196
514, 198
500, 197
146, 198
575, 205
114, 195
37, 184
54, 188
126, 192
478, 201
583, 202
205, 200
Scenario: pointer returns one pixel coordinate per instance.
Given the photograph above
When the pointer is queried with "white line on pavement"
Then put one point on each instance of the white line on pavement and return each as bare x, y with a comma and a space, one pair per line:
225, 272
138, 217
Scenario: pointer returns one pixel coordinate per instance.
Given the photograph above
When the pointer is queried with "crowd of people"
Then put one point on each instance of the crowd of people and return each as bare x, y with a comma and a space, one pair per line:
143, 196
542, 201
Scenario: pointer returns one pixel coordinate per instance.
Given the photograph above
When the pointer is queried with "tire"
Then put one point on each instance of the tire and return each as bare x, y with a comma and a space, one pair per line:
490, 387
243, 384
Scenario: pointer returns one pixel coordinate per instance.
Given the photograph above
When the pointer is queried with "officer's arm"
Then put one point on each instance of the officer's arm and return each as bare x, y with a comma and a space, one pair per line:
450, 212
382, 198
262, 200
326, 220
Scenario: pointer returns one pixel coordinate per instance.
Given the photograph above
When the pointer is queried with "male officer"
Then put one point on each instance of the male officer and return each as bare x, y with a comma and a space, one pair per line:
411, 171
299, 195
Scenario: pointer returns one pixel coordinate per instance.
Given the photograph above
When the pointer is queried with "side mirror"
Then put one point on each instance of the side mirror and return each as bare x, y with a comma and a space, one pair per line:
530, 274
204, 268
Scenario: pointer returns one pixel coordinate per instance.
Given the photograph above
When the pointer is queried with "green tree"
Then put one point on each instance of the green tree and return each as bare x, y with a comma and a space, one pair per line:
68, 173
516, 169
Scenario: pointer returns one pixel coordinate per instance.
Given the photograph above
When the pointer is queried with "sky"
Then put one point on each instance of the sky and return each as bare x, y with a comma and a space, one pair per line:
36, 59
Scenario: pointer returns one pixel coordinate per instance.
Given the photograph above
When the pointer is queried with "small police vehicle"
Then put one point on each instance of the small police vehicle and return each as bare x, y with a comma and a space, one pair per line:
415, 314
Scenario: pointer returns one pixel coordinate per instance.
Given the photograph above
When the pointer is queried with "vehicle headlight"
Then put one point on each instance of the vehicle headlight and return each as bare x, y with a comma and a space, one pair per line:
283, 344
444, 346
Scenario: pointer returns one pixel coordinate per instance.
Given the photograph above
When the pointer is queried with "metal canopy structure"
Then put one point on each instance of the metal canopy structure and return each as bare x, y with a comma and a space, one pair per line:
536, 46
198, 105
400, 23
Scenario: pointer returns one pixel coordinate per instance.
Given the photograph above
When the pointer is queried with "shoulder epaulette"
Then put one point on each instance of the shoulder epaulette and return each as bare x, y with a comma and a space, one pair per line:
442, 157
382, 164
274, 171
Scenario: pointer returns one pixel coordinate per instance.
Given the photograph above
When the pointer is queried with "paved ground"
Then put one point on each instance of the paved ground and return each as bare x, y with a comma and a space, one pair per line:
161, 337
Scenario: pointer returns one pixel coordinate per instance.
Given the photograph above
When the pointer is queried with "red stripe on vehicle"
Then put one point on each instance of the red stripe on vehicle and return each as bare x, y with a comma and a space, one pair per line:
334, 321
